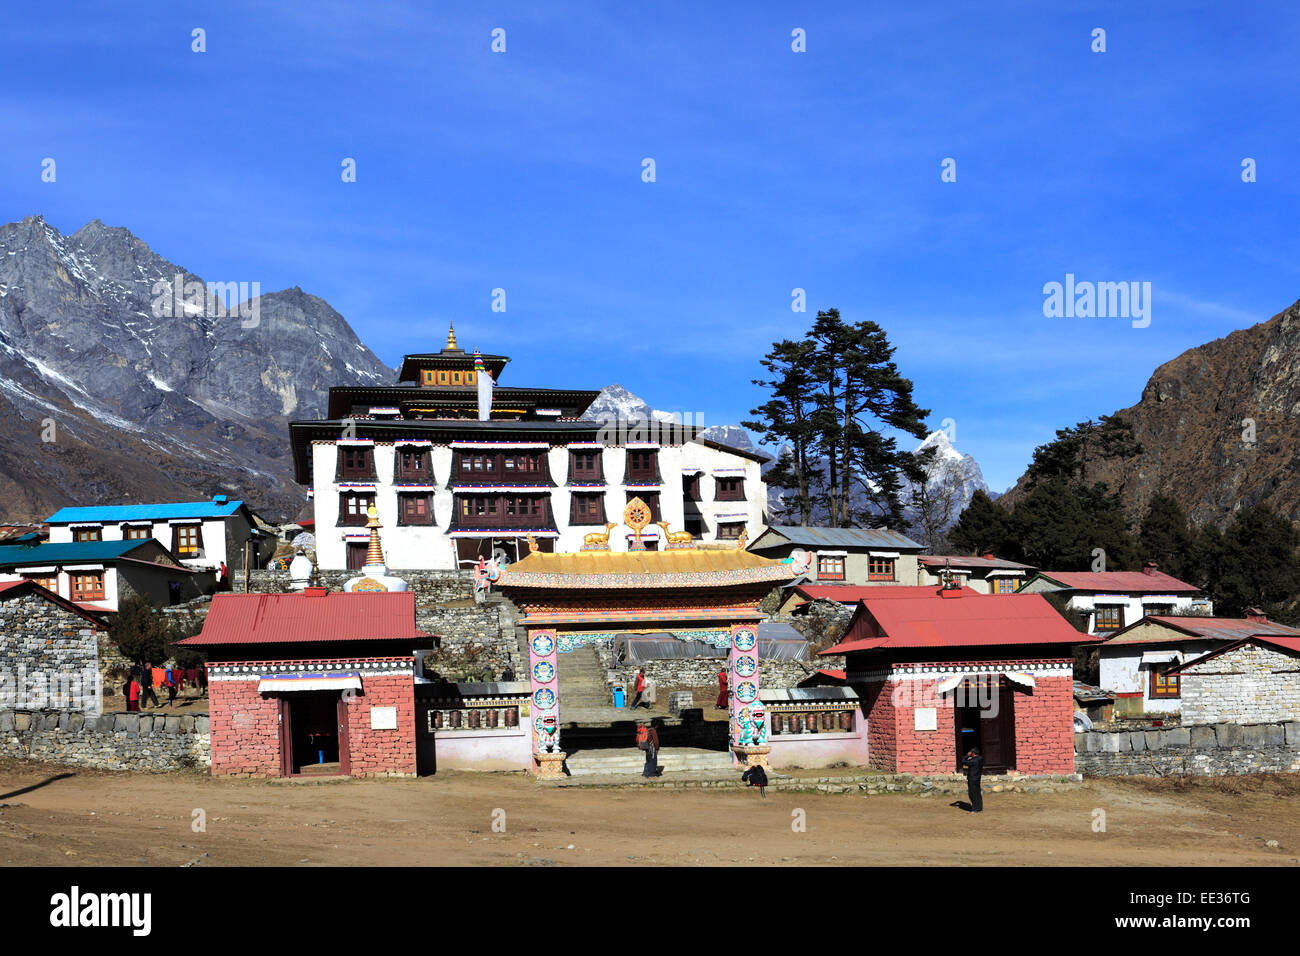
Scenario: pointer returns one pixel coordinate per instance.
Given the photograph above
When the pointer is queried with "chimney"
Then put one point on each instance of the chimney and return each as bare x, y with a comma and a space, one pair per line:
1256, 615
950, 593
219, 499
1150, 568
988, 556
314, 592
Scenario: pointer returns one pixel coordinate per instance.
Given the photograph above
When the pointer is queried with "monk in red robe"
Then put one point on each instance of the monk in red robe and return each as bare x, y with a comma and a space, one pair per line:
722, 689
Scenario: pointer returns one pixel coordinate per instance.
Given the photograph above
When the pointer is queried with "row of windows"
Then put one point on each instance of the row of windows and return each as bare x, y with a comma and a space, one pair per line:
442, 376
86, 585
357, 462
185, 537
1110, 617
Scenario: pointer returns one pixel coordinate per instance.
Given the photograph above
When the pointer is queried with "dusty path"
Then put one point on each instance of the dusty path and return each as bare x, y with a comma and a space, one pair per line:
94, 818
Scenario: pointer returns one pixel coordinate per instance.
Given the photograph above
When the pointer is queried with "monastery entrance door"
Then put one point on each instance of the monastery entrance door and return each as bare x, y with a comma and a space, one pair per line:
985, 718
314, 734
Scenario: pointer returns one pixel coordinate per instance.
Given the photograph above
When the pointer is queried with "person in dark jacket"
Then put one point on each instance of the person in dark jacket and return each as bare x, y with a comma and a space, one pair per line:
650, 744
974, 764
756, 776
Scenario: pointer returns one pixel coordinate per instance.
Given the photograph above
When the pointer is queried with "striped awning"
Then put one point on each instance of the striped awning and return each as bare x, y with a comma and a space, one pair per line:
280, 683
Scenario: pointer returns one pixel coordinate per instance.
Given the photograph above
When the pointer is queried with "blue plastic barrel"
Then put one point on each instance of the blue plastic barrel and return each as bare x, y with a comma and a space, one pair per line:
619, 696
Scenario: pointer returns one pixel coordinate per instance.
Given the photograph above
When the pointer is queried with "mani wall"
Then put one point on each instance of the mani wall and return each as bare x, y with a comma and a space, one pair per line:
1205, 750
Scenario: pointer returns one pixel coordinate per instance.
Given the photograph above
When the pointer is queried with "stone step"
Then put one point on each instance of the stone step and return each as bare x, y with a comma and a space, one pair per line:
673, 760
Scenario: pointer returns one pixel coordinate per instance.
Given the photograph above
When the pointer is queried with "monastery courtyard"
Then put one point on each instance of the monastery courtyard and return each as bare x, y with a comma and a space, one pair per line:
52, 815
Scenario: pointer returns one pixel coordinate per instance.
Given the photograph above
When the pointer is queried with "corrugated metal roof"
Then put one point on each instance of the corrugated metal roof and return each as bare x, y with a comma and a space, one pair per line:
17, 555
782, 694
1181, 627
853, 593
679, 567
965, 621
159, 512
302, 618
971, 561
1155, 582
807, 537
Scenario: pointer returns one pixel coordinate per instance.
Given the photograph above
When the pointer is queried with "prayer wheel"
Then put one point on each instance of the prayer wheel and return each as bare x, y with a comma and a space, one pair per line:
437, 720
455, 719
776, 721
846, 721
828, 721
811, 723
492, 718
796, 723
473, 719
512, 716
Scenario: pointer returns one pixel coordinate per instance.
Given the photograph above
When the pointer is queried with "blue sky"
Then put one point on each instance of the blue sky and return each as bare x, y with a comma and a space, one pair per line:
775, 170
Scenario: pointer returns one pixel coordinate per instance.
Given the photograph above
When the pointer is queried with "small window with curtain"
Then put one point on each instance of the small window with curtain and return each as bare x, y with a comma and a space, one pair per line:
415, 509
830, 567
185, 540
1110, 617
880, 569
87, 585
136, 532
730, 530
87, 534
353, 507
1003, 585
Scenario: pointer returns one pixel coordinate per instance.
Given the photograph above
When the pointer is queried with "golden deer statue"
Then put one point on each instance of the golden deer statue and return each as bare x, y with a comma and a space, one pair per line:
676, 537
596, 538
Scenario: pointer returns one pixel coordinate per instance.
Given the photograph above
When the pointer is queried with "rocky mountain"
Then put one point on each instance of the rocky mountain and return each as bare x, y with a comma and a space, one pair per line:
1220, 427
952, 477
616, 403
125, 377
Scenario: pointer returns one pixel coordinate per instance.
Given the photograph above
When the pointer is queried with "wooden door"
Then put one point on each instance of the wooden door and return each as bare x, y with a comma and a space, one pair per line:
997, 732
286, 739
345, 758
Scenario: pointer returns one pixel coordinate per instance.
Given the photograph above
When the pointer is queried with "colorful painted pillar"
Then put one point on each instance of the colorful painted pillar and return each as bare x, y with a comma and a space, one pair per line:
748, 716
543, 676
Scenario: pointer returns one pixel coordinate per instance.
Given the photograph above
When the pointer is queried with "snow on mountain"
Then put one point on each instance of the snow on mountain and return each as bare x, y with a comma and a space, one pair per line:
616, 403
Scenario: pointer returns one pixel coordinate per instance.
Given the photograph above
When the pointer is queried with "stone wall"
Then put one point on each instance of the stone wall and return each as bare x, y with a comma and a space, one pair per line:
50, 651
676, 672
1225, 748
151, 743
1251, 684
435, 586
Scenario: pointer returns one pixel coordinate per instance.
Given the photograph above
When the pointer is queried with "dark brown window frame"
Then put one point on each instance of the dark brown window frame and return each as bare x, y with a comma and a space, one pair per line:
729, 494
87, 534
825, 574
94, 594
362, 464
182, 532
496, 510
490, 467
346, 518
1118, 612
651, 498
404, 519
594, 474
691, 487
401, 472
595, 517
739, 527
649, 473
1166, 693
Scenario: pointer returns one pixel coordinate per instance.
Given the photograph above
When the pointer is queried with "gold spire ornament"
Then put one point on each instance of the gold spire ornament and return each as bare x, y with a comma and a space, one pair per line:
375, 552
451, 338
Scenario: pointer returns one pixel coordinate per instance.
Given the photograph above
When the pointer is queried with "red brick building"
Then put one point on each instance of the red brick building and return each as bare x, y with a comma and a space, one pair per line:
312, 683
941, 670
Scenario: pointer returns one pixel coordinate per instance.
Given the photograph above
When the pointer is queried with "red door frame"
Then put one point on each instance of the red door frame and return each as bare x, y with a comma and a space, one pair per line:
345, 743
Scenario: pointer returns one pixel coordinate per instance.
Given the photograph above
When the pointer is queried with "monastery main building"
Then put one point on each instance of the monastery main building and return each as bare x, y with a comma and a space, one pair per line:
461, 468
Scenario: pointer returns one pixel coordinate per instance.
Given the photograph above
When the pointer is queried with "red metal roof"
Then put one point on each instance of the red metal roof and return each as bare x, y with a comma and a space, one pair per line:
1211, 628
1291, 644
971, 620
1156, 582
852, 594
834, 673
308, 618
971, 561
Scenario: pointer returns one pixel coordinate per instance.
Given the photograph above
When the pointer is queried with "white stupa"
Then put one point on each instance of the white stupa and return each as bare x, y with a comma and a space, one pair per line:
374, 574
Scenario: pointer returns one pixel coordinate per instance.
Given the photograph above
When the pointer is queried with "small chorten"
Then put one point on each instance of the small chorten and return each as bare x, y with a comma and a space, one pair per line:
374, 575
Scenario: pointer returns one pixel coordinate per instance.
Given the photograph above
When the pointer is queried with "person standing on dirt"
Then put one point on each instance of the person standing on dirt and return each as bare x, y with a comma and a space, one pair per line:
639, 687
647, 738
146, 687
974, 765
133, 695
721, 702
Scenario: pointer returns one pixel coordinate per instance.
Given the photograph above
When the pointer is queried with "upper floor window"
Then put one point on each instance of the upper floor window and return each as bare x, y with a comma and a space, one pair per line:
185, 540
412, 463
46, 579
520, 464
1110, 617
585, 466
730, 530
588, 509
87, 534
356, 461
1003, 585
427, 376
651, 498
830, 567
415, 509
642, 465
87, 585
880, 569
353, 507
691, 488
529, 467
1149, 610
730, 489
136, 532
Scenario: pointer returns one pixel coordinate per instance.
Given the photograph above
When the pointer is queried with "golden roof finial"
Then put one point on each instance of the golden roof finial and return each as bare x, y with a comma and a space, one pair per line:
451, 336
374, 553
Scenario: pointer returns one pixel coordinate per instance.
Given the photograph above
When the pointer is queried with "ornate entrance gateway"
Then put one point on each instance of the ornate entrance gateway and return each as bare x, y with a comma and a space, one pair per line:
570, 600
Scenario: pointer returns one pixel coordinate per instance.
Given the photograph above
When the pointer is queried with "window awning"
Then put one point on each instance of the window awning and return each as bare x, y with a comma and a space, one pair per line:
280, 683
883, 554
1159, 599
1161, 657
1020, 677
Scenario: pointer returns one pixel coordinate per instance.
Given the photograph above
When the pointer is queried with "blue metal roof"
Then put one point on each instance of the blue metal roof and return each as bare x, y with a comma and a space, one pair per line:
108, 514
18, 555
839, 537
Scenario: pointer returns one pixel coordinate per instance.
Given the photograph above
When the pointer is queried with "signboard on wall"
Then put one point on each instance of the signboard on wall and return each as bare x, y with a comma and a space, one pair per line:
926, 718
383, 718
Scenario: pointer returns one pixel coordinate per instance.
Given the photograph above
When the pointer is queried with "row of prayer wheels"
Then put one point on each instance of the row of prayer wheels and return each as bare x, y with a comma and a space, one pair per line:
825, 721
474, 718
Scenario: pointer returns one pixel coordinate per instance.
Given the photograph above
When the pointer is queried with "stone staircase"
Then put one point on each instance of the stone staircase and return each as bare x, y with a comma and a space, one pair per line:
589, 763
582, 680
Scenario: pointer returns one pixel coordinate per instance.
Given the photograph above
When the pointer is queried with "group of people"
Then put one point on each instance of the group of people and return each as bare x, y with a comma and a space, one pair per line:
138, 689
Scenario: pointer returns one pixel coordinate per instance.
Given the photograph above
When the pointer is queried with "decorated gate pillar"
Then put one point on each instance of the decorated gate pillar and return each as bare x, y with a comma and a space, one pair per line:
543, 677
748, 716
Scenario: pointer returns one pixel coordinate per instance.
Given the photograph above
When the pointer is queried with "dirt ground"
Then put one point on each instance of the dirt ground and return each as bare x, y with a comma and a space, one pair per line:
59, 816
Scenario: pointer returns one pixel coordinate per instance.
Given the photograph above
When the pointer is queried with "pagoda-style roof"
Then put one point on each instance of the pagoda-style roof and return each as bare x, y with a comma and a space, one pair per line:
674, 568
451, 356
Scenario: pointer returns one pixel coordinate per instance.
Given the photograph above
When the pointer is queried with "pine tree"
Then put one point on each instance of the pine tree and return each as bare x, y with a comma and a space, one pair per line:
1166, 537
787, 420
984, 526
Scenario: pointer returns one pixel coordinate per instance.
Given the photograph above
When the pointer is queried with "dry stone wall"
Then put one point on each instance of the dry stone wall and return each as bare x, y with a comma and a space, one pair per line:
1250, 684
153, 743
1205, 750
